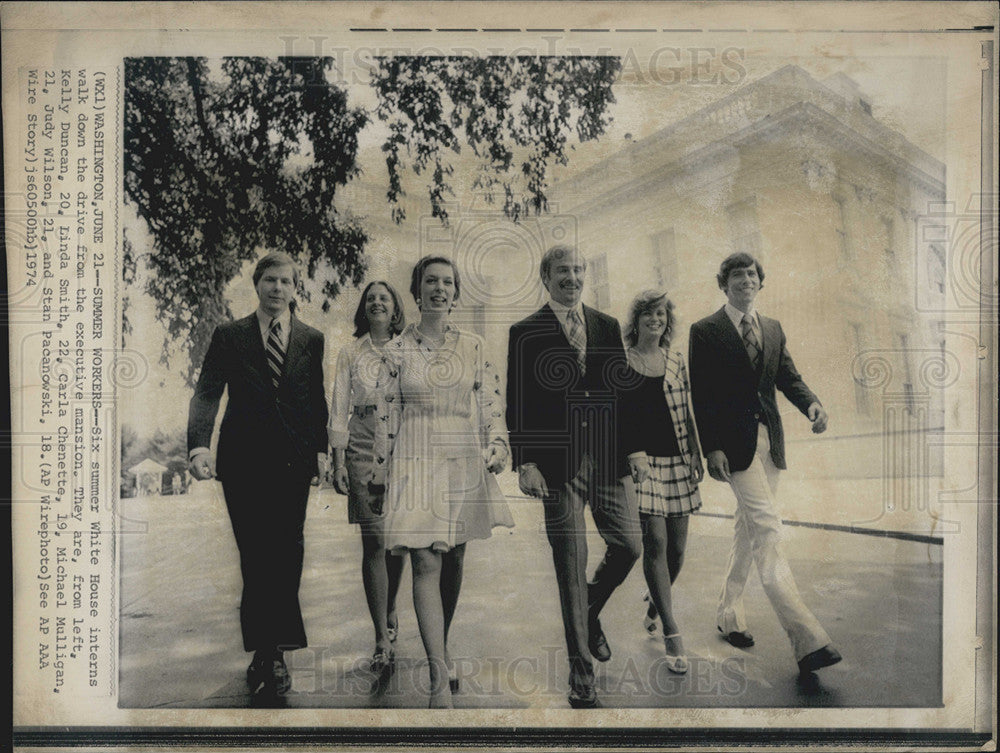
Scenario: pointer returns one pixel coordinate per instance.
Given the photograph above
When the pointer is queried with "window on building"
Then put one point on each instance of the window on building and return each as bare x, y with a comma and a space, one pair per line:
843, 227
935, 268
744, 229
665, 259
903, 342
597, 272
889, 238
862, 401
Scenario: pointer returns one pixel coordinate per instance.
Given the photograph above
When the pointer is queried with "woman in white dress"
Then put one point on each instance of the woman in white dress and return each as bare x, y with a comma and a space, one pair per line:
379, 318
440, 437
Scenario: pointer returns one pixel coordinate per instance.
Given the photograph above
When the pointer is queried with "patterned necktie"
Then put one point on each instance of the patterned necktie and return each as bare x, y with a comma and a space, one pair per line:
275, 353
750, 341
577, 338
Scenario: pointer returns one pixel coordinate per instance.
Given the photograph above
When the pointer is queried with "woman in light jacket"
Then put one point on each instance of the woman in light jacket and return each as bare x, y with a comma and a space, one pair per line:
379, 318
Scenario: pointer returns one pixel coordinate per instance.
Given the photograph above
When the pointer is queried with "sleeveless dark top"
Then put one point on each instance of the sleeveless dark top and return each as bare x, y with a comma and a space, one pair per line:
656, 430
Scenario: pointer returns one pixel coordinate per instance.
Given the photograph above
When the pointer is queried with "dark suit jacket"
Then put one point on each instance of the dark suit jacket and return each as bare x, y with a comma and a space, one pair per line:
730, 398
261, 426
555, 414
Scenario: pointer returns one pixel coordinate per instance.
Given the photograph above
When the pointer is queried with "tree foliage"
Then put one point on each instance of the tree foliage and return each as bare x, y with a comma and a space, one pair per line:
515, 113
224, 163
221, 165
166, 448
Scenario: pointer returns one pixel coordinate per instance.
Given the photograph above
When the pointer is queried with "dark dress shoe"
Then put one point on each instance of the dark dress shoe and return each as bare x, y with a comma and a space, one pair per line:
584, 697
737, 638
821, 657
277, 680
597, 642
256, 673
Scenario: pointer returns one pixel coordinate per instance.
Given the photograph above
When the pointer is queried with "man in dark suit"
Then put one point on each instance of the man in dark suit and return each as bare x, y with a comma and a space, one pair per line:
566, 373
273, 431
738, 358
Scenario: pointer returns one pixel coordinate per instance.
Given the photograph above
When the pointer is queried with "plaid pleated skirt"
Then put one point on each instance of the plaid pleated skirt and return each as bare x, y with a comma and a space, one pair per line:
669, 491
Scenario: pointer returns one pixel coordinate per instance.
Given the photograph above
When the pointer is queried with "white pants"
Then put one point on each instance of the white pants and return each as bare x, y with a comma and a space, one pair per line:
758, 539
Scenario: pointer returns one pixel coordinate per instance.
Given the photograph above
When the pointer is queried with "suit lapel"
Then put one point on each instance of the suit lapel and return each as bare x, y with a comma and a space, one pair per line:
255, 345
549, 318
551, 324
296, 346
590, 325
730, 337
769, 331
293, 351
594, 336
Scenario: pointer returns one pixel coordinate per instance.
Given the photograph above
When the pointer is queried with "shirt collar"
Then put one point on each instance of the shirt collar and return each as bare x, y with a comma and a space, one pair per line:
561, 310
736, 316
450, 333
365, 341
285, 318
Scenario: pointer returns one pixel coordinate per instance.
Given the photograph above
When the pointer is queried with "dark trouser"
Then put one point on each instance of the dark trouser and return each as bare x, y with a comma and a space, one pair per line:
267, 508
617, 520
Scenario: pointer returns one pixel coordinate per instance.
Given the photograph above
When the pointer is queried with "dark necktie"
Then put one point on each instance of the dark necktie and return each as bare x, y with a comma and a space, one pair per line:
577, 338
275, 353
750, 341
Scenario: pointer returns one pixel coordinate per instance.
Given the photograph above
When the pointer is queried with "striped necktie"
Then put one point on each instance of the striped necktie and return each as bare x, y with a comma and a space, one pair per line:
577, 338
275, 352
750, 341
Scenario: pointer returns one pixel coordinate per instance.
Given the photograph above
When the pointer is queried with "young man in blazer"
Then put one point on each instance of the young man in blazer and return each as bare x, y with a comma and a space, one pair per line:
566, 372
737, 359
272, 434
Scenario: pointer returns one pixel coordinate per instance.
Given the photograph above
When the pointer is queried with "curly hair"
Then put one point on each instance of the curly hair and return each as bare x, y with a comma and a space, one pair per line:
645, 302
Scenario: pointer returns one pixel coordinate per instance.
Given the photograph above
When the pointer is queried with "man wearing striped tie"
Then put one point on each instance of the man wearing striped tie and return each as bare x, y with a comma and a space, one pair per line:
566, 378
737, 359
272, 437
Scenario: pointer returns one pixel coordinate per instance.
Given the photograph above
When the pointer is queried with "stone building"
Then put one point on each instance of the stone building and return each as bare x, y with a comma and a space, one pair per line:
796, 171
799, 173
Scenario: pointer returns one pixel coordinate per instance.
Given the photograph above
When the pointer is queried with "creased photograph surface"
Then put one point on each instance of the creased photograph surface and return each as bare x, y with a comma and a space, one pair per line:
574, 366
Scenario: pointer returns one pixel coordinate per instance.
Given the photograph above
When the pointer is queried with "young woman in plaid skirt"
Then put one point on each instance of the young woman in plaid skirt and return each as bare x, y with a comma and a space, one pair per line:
670, 493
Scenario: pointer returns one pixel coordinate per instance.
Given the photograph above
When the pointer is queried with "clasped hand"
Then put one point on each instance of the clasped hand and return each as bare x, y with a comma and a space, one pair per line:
495, 457
202, 466
638, 468
338, 477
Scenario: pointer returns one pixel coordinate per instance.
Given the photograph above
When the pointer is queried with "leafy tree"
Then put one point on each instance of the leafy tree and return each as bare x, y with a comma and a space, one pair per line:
515, 113
166, 448
130, 446
223, 164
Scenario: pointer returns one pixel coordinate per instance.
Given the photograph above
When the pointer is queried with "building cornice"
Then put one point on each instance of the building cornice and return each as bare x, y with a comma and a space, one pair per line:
789, 96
